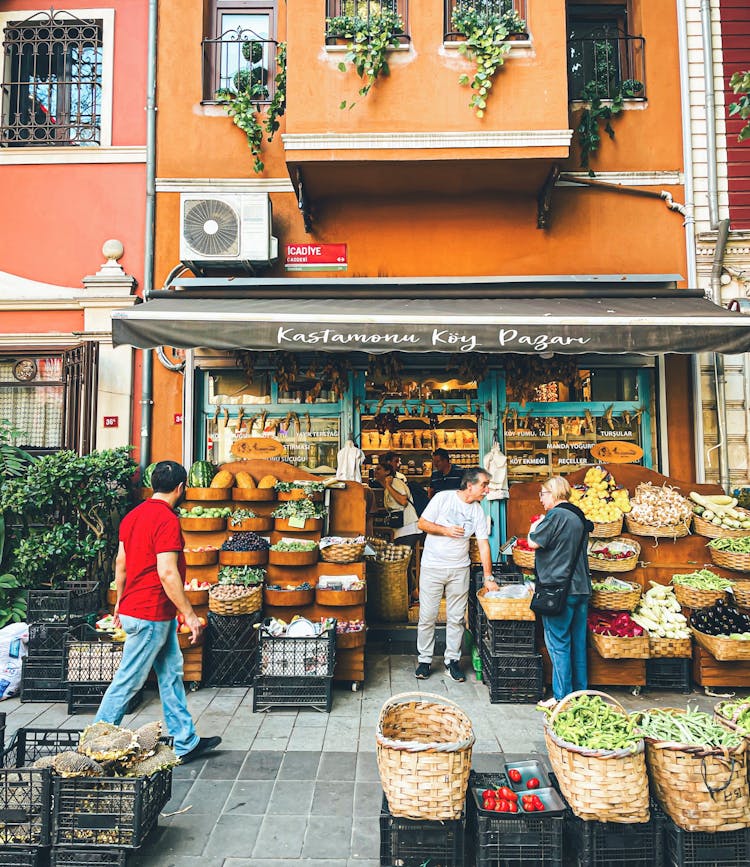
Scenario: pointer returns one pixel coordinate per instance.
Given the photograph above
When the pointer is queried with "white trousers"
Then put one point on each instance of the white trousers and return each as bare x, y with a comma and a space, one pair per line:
433, 584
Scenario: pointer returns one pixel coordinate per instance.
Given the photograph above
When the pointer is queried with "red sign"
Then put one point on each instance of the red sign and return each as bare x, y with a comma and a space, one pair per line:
111, 421
316, 257
178, 418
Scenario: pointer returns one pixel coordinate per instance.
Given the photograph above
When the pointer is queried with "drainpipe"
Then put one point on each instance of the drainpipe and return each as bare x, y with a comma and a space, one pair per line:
718, 360
147, 379
692, 270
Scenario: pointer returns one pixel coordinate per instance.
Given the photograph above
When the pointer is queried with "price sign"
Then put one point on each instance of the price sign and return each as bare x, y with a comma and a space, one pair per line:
111, 421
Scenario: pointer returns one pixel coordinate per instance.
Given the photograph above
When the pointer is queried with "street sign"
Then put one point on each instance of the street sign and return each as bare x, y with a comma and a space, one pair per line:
316, 257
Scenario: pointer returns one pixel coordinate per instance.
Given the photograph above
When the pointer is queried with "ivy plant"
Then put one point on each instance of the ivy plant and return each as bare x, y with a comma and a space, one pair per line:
598, 110
486, 30
740, 83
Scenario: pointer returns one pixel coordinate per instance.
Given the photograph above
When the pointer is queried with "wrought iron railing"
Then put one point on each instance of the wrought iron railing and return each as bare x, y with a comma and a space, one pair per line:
512, 13
239, 61
345, 17
607, 66
51, 81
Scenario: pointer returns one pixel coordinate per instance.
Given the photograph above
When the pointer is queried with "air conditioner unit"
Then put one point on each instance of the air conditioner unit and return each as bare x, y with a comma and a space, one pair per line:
226, 232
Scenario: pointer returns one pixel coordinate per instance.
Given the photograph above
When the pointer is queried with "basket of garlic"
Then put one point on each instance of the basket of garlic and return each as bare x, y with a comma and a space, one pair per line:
660, 614
659, 512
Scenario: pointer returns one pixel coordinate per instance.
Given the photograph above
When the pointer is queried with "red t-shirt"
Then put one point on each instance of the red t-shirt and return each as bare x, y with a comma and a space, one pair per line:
150, 529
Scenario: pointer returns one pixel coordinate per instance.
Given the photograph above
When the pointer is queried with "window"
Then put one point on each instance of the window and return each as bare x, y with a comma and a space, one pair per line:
53, 76
240, 54
511, 13
345, 18
603, 59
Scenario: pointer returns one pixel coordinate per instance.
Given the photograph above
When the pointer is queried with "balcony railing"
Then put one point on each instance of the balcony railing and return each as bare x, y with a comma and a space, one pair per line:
512, 13
607, 66
344, 18
239, 61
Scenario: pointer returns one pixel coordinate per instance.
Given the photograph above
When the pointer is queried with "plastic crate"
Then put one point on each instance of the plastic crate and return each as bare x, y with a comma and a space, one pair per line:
414, 842
232, 633
23, 856
509, 636
280, 656
95, 812
47, 641
91, 656
70, 604
41, 682
2, 735
671, 674
86, 697
71, 857
699, 848
504, 573
230, 667
312, 693
611, 844
512, 679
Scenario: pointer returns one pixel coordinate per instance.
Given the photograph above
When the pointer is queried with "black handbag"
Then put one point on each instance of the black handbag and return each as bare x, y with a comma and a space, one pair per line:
395, 519
550, 599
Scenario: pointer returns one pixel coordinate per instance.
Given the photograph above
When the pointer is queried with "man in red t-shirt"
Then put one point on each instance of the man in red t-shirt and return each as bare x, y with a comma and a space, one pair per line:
150, 579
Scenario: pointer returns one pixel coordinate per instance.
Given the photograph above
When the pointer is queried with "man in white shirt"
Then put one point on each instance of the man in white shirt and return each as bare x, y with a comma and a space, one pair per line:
450, 519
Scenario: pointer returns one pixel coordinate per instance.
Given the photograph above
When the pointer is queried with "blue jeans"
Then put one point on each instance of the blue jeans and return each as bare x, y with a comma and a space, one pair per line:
151, 643
565, 637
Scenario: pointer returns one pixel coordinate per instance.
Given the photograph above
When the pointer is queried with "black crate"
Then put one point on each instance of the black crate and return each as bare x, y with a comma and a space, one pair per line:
68, 605
671, 674
2, 735
512, 679
280, 656
229, 667
91, 656
611, 844
119, 812
23, 856
513, 842
503, 573
86, 698
71, 857
47, 640
699, 848
232, 633
42, 682
509, 636
414, 842
312, 693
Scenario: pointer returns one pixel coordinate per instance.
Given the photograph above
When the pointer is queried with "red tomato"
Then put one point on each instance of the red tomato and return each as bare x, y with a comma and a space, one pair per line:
538, 805
507, 793
515, 775
533, 783
502, 806
488, 793
512, 806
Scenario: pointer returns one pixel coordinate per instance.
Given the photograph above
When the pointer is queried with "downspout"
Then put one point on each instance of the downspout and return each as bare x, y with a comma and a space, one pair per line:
147, 376
692, 270
718, 359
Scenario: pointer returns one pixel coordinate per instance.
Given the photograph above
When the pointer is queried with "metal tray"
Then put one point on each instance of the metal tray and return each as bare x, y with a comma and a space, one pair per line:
528, 769
553, 805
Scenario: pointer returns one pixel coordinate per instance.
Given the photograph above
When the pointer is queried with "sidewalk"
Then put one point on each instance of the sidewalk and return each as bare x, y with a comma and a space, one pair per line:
303, 787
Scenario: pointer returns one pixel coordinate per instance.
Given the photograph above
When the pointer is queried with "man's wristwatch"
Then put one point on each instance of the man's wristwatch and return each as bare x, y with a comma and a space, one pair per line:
489, 578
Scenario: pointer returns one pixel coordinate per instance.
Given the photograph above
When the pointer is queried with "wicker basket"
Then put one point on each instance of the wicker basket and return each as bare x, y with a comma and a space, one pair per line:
201, 558
248, 603
700, 789
505, 609
388, 590
614, 647
689, 597
524, 559
730, 560
343, 552
616, 600
599, 785
741, 591
627, 564
728, 723
711, 531
721, 647
424, 744
672, 531
253, 525
243, 558
442, 615
215, 494
293, 558
669, 648
606, 530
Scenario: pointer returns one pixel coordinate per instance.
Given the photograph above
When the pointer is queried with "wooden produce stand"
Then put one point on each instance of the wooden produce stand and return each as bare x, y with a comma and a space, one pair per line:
659, 560
347, 516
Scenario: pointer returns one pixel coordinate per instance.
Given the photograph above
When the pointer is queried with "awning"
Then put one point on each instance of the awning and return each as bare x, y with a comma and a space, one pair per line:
568, 325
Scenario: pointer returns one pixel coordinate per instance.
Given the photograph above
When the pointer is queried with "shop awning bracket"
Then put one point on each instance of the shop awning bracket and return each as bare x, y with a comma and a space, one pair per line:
544, 199
302, 202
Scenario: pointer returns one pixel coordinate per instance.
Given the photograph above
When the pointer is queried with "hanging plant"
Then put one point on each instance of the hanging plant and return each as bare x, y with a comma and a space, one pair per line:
740, 82
486, 32
370, 37
277, 106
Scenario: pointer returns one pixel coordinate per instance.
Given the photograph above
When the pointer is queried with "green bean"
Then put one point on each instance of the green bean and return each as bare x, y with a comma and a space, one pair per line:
740, 545
590, 722
702, 579
694, 728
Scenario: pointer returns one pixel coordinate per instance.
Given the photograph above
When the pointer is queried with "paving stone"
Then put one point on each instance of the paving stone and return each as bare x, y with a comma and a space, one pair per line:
328, 837
207, 796
223, 765
367, 767
269, 745
249, 798
233, 836
368, 798
291, 797
299, 766
365, 842
261, 765
337, 766
333, 799
185, 834
281, 836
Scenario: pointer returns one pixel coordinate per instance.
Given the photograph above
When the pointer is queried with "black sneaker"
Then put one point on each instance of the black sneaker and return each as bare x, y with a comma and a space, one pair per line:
453, 670
423, 671
204, 745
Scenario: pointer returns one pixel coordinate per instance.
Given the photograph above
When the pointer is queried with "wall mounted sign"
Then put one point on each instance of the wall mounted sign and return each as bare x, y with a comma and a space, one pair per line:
617, 452
257, 448
25, 370
316, 257
178, 418
111, 421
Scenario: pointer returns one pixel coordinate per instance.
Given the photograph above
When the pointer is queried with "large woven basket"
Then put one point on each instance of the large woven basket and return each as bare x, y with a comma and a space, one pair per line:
506, 609
671, 531
614, 647
669, 648
722, 647
388, 587
343, 552
616, 600
705, 528
741, 591
700, 789
248, 603
524, 559
599, 785
424, 744
627, 564
606, 530
690, 597
730, 560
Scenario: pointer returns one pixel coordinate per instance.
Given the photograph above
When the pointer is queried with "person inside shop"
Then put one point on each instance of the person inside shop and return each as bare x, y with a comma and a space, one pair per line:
149, 581
393, 460
445, 475
560, 540
397, 499
450, 519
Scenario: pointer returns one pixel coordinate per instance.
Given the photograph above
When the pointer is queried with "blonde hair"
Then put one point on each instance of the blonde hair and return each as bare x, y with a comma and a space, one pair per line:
558, 487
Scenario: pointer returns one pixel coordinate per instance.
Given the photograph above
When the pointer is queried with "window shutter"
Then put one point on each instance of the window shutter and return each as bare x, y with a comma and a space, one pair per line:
80, 369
